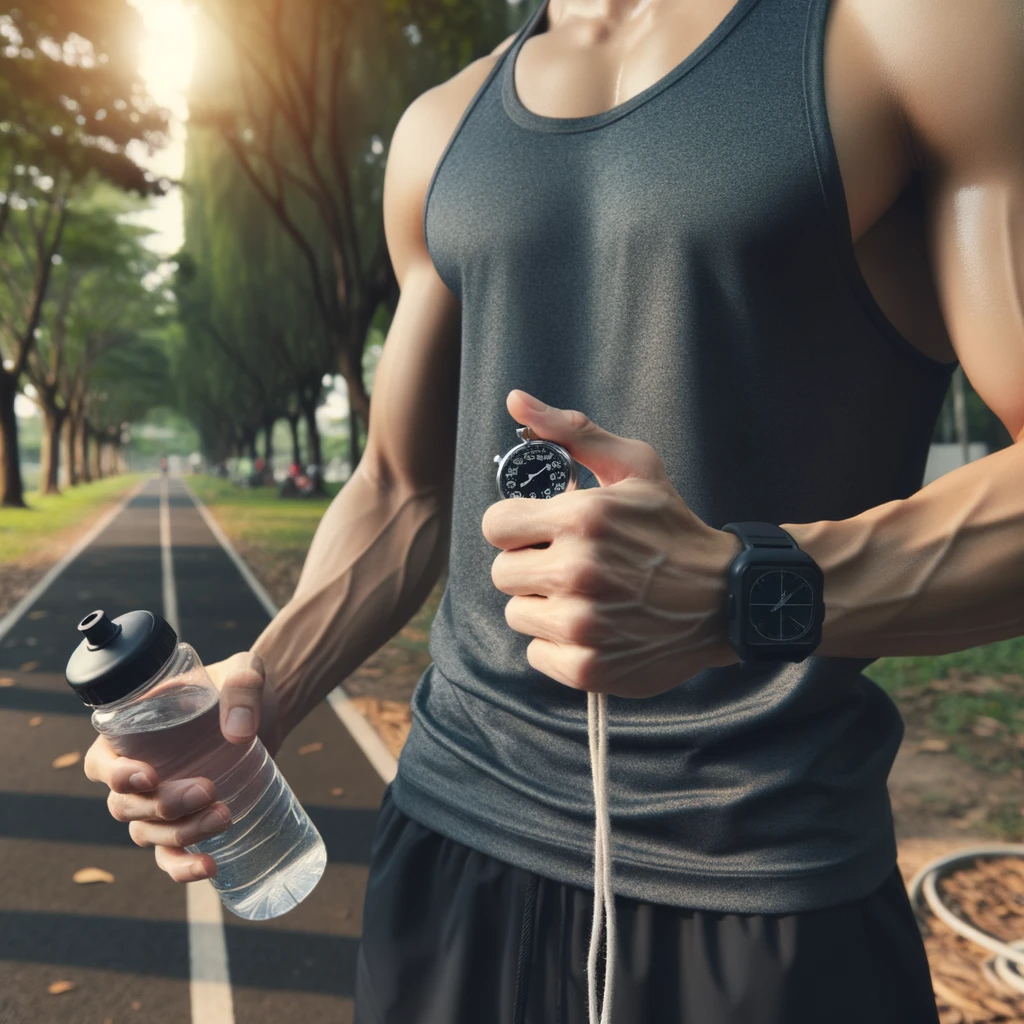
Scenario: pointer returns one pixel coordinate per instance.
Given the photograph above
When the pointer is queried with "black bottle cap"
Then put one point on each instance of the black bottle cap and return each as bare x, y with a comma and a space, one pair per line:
117, 657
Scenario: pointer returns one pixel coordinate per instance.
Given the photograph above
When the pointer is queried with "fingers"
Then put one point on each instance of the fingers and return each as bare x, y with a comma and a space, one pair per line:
121, 774
168, 802
183, 866
187, 831
241, 696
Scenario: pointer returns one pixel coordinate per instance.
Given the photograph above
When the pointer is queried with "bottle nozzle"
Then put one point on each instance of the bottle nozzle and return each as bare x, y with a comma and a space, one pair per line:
98, 629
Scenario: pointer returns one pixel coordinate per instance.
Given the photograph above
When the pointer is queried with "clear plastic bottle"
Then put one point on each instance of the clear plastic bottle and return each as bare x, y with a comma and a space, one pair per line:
271, 856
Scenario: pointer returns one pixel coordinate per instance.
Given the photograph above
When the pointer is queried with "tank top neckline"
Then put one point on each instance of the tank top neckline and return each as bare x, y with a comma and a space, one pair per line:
539, 122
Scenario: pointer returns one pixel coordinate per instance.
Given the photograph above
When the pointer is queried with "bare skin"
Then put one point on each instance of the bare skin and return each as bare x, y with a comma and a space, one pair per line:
935, 86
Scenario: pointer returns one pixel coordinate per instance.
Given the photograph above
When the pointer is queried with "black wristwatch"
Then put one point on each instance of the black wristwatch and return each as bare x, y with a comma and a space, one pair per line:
776, 596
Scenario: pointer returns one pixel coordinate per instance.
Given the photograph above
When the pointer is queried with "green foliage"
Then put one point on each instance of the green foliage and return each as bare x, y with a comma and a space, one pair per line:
70, 93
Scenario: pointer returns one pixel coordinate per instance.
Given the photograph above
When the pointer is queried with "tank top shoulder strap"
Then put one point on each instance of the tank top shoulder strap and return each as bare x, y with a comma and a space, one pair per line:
481, 91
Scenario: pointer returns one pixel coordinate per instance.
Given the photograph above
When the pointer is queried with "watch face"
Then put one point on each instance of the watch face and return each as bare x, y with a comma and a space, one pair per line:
537, 471
781, 604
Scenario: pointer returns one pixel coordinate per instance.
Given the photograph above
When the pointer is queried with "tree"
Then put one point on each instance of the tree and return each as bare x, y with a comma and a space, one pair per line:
303, 97
72, 104
246, 305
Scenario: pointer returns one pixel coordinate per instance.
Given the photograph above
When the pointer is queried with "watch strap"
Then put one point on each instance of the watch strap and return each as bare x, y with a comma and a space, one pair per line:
762, 535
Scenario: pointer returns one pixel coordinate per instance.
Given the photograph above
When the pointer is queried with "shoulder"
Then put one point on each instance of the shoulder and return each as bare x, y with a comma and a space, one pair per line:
419, 138
437, 111
955, 69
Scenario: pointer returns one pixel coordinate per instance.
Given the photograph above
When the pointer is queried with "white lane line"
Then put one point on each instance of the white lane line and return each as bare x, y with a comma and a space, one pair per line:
170, 592
210, 978
8, 622
365, 736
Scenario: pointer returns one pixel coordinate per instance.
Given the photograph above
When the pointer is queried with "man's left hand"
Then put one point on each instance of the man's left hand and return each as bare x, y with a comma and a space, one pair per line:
622, 586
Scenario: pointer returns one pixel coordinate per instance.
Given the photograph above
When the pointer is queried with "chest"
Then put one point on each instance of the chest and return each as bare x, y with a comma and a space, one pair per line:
568, 69
565, 69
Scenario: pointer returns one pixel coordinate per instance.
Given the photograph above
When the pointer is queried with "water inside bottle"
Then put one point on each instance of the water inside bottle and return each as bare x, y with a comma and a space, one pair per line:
271, 856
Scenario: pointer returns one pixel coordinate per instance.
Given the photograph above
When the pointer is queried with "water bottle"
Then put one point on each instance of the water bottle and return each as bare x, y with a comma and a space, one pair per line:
154, 701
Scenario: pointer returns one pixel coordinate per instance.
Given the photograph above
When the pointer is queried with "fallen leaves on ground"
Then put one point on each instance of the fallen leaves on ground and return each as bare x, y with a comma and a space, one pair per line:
67, 760
986, 726
990, 895
934, 745
35, 720
337, 791
136, 1005
6, 681
55, 988
37, 614
390, 718
85, 876
311, 748
29, 666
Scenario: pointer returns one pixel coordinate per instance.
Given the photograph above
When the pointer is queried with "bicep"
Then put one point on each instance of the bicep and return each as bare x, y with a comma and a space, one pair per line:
411, 433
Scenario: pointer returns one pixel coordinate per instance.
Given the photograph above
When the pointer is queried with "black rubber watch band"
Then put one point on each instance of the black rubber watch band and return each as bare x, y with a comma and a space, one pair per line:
762, 535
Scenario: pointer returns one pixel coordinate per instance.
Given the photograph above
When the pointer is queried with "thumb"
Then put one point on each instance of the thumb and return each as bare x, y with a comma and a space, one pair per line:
609, 457
240, 680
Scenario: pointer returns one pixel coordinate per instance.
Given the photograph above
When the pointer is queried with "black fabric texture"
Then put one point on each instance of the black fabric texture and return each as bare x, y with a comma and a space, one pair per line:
444, 941
680, 269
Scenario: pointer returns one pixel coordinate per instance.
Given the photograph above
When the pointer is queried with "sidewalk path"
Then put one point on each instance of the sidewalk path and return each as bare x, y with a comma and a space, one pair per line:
126, 945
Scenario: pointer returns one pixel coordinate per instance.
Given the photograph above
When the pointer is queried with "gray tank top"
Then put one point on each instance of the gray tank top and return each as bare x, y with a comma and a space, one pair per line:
679, 268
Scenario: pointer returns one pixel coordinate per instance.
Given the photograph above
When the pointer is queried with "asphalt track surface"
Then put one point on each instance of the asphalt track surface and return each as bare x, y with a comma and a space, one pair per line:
126, 945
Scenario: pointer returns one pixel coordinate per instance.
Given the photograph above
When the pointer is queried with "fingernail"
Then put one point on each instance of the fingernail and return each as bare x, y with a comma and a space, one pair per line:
240, 722
140, 780
198, 871
214, 819
533, 403
193, 798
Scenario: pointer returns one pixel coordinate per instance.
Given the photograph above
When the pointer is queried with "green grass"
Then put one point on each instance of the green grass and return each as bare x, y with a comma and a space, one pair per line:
257, 516
26, 531
1006, 657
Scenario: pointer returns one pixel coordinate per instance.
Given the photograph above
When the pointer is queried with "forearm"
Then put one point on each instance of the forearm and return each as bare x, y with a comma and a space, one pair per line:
937, 572
376, 555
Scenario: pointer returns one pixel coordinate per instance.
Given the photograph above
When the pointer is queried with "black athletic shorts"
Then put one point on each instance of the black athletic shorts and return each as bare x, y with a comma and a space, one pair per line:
452, 936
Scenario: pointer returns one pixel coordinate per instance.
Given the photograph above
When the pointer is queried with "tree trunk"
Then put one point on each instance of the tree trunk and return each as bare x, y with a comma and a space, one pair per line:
960, 414
82, 451
268, 445
53, 420
12, 494
358, 397
70, 446
293, 426
247, 449
94, 458
353, 437
313, 435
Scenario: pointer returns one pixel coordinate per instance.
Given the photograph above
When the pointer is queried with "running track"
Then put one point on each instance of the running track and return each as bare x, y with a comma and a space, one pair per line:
145, 949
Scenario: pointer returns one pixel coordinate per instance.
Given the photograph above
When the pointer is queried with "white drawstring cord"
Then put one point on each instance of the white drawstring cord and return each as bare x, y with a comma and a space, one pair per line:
597, 729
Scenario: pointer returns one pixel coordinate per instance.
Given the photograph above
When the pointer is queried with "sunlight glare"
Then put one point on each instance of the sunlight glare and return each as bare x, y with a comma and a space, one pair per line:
166, 59
168, 50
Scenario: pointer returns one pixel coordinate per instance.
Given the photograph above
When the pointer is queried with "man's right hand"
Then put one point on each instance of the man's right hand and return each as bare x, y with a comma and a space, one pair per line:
174, 814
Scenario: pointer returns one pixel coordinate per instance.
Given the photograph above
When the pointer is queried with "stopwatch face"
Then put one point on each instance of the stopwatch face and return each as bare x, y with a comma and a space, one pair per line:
537, 471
